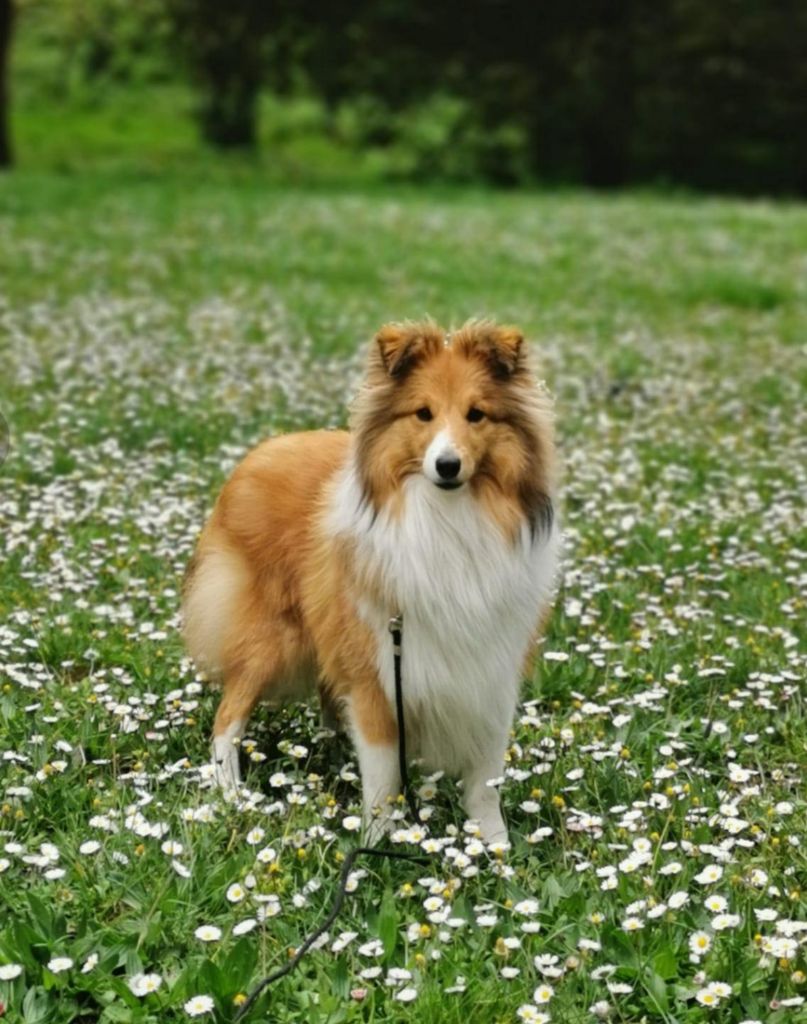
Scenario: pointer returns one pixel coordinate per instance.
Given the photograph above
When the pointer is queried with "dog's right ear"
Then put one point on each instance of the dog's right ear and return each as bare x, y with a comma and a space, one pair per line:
402, 346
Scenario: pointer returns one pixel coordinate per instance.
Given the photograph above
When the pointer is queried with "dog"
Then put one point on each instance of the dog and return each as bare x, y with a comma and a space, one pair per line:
437, 505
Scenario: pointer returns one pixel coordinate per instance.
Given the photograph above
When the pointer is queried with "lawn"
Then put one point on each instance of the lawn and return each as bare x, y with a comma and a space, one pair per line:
153, 327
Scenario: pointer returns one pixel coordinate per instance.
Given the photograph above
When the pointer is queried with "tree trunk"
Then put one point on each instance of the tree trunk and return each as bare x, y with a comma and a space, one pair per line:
228, 113
6, 27
607, 123
224, 45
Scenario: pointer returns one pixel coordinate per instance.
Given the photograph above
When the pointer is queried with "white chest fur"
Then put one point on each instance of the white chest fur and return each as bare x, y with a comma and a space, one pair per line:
470, 602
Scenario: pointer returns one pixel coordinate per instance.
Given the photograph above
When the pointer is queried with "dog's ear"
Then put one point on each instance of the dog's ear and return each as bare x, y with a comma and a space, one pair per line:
505, 350
402, 346
501, 348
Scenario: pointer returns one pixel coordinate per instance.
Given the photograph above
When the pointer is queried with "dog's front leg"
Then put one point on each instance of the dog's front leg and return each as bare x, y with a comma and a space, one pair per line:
375, 737
481, 800
380, 785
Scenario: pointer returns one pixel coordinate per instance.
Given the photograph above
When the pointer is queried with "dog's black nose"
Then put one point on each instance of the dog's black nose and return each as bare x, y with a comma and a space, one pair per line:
448, 466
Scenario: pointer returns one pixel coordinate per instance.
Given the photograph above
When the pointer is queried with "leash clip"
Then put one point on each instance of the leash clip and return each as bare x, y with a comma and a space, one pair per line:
395, 627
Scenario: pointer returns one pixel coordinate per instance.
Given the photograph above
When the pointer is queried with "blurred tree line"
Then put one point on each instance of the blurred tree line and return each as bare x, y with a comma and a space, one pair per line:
597, 92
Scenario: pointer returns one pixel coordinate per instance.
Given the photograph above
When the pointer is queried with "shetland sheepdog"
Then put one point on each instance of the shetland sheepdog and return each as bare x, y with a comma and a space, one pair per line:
437, 505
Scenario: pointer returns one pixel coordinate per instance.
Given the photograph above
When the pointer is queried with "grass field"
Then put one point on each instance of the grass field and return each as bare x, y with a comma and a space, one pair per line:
153, 327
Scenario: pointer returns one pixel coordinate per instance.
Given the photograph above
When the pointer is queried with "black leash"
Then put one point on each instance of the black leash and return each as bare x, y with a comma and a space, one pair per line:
396, 629
341, 889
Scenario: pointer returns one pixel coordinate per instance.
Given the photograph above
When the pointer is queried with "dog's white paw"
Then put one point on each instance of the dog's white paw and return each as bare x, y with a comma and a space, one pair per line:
226, 769
492, 829
376, 827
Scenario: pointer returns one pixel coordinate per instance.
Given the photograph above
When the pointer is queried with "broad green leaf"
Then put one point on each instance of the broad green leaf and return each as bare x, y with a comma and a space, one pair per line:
657, 990
388, 923
665, 964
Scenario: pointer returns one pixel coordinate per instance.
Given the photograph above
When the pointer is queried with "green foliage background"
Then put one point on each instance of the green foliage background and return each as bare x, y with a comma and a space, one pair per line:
708, 96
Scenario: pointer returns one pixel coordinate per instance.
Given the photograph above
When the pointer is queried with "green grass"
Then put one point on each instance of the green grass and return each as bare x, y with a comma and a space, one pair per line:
153, 325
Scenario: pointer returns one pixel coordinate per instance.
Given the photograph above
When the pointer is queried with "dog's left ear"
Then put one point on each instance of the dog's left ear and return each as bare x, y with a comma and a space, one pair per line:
505, 350
402, 346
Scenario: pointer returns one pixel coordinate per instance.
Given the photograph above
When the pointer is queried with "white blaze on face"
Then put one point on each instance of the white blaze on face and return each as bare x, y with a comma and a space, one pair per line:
442, 447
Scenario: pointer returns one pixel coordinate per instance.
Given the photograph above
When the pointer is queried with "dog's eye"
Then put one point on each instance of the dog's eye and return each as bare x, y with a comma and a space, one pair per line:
424, 414
475, 415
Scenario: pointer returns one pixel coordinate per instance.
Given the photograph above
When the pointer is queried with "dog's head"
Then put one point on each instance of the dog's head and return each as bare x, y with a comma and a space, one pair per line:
463, 410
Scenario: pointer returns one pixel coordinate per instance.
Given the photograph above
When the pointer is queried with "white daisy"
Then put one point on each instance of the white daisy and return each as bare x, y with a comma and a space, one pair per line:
143, 984
198, 1005
59, 964
710, 874
235, 892
90, 963
245, 926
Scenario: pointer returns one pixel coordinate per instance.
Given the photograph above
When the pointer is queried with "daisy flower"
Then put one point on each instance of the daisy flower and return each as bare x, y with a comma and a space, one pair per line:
142, 984
197, 1005
547, 964
526, 907
235, 892
531, 1014
723, 921
245, 926
59, 964
711, 873
90, 963
372, 948
720, 989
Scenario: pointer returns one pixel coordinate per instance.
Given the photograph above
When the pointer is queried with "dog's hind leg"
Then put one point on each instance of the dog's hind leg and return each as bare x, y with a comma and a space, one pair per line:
241, 694
267, 662
329, 711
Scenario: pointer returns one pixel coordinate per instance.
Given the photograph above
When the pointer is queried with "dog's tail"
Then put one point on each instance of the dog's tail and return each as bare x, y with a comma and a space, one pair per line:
215, 583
